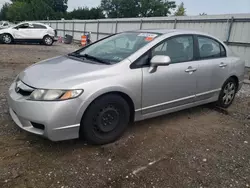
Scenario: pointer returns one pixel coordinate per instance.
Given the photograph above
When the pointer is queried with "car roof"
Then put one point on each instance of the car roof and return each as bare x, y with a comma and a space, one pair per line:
166, 31
33, 23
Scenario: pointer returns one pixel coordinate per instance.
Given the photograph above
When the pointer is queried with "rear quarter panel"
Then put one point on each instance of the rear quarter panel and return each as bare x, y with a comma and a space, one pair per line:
49, 31
237, 68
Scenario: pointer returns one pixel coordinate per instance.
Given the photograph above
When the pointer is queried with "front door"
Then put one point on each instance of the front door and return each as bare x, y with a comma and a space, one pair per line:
174, 85
25, 31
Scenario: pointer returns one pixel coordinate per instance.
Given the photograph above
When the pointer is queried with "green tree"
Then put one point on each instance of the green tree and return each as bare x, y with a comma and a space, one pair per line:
58, 5
137, 8
41, 10
19, 11
85, 13
3, 11
150, 8
181, 10
33, 10
96, 13
111, 8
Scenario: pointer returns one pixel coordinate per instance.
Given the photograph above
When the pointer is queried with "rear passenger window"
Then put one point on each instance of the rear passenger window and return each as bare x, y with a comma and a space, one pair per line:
38, 26
179, 49
210, 48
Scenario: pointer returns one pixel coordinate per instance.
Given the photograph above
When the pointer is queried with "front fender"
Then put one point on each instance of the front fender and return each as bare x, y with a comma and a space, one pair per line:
1, 34
90, 98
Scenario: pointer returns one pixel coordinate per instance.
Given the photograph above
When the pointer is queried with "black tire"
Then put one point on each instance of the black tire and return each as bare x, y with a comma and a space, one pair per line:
227, 94
6, 38
105, 119
48, 40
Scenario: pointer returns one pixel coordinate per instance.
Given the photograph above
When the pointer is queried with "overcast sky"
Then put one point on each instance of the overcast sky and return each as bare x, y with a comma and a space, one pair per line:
193, 7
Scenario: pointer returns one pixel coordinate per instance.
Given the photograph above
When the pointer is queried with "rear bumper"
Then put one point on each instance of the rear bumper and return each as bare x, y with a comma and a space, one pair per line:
55, 39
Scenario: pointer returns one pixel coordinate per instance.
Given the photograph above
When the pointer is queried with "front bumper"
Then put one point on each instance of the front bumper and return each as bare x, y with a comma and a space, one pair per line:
57, 117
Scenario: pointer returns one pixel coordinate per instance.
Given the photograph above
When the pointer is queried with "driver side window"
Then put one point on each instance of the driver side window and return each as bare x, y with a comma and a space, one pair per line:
122, 43
179, 48
24, 26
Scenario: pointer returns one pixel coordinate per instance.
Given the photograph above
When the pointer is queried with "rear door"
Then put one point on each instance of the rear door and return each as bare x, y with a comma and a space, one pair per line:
39, 31
213, 67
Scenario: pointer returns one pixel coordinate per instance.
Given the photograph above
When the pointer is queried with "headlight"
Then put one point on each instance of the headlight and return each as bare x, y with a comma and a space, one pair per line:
54, 94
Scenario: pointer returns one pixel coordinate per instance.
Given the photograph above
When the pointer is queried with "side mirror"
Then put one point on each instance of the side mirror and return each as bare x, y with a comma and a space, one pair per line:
159, 60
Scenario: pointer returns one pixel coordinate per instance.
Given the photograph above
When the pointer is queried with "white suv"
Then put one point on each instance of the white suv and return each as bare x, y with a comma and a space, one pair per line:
28, 32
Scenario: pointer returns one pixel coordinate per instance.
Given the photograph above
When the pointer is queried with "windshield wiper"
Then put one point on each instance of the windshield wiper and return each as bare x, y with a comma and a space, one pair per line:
87, 56
73, 54
95, 59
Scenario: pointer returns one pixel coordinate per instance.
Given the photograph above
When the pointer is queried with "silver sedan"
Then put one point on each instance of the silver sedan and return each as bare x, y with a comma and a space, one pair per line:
96, 91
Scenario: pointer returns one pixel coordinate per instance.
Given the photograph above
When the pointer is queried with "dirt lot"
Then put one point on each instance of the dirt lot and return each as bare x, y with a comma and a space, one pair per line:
199, 147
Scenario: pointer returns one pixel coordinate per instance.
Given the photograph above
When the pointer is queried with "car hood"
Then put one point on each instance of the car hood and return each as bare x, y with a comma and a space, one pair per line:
62, 73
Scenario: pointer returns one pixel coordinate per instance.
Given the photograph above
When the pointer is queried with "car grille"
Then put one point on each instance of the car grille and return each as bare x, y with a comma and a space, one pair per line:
23, 89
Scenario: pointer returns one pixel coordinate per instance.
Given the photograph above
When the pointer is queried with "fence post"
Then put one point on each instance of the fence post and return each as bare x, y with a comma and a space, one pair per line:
73, 30
141, 24
84, 29
63, 28
116, 25
230, 30
97, 35
175, 23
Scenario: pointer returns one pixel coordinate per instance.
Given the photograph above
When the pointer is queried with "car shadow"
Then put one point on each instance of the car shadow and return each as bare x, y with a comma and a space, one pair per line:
40, 143
28, 43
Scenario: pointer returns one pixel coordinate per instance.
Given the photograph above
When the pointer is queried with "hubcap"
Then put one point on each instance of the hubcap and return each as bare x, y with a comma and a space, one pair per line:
48, 40
106, 120
229, 92
6, 39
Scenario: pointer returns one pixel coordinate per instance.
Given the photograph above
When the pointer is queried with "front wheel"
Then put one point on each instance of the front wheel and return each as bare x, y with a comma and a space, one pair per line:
48, 40
7, 38
105, 119
227, 93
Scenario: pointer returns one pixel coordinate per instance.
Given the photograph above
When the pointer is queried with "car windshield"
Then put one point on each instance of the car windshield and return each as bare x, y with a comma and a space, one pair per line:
117, 47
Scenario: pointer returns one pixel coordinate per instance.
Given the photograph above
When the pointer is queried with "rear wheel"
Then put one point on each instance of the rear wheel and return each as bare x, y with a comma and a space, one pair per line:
7, 38
48, 40
105, 119
227, 93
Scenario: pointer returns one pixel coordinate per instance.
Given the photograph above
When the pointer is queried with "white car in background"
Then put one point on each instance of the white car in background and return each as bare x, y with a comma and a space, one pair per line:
4, 24
28, 32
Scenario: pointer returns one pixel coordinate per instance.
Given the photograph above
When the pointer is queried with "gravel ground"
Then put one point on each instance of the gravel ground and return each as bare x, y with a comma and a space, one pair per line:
198, 147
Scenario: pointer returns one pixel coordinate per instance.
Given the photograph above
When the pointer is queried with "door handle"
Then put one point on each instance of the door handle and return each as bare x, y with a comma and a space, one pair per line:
190, 70
222, 65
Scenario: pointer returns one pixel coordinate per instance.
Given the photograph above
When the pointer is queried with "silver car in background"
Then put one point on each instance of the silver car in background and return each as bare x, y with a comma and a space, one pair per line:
96, 91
